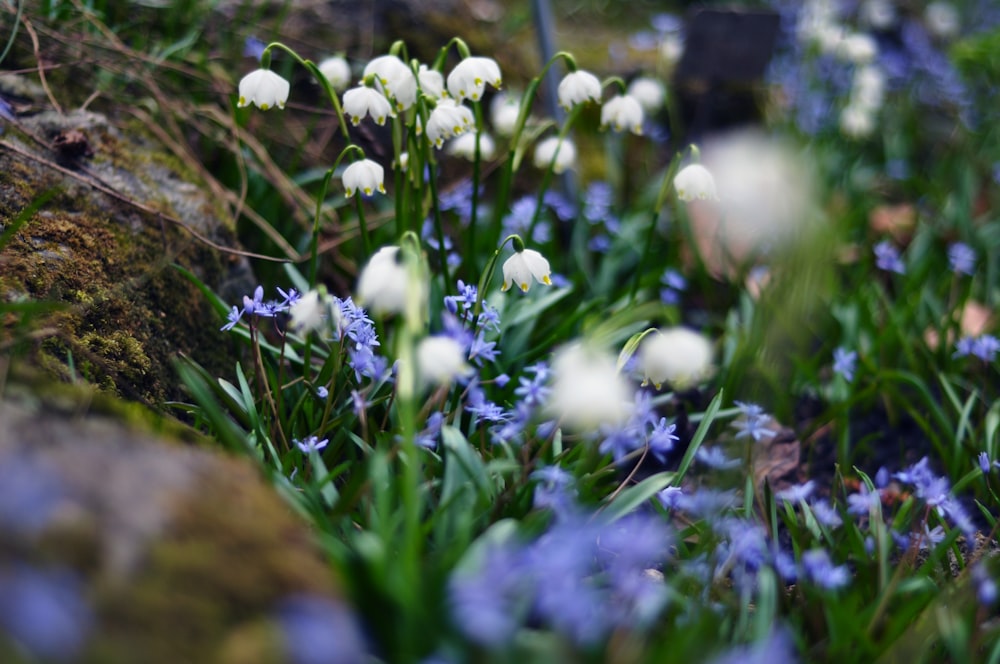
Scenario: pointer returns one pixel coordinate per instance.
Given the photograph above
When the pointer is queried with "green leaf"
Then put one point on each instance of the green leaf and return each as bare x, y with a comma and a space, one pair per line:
634, 496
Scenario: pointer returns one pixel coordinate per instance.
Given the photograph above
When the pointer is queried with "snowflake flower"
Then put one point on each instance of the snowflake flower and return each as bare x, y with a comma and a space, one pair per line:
263, 88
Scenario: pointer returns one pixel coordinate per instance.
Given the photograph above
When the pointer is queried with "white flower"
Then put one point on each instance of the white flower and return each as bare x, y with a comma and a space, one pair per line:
469, 78
868, 88
942, 19
383, 284
308, 312
522, 266
695, 182
465, 146
587, 390
403, 163
649, 92
362, 101
622, 112
336, 70
678, 356
880, 14
366, 176
857, 121
671, 49
440, 360
545, 153
503, 113
577, 87
858, 47
396, 79
431, 82
263, 88
448, 120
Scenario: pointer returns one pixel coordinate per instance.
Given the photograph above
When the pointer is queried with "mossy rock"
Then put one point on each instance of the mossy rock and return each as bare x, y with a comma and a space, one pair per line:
157, 552
100, 250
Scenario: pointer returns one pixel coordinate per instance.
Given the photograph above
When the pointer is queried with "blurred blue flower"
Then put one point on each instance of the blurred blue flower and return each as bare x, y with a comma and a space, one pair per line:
752, 422
30, 493
44, 612
818, 567
887, 258
844, 361
962, 258
319, 630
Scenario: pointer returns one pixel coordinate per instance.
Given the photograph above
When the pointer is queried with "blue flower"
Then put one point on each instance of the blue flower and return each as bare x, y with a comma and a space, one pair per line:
843, 363
887, 258
661, 439
751, 424
44, 612
822, 572
318, 630
311, 444
962, 258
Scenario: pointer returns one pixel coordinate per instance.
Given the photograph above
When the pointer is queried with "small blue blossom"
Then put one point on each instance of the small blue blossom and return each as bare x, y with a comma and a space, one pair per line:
502, 380
428, 437
797, 492
822, 572
826, 514
962, 258
233, 317
752, 423
887, 258
44, 613
311, 444
319, 630
986, 586
844, 363
661, 439
253, 48
984, 463
714, 457
322, 392
554, 489
863, 502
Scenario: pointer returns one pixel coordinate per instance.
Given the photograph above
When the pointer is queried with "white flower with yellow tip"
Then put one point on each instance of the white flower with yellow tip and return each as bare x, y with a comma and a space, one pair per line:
677, 355
336, 71
448, 120
366, 176
524, 265
577, 87
469, 78
649, 92
263, 88
621, 113
362, 101
695, 183
561, 154
431, 82
395, 78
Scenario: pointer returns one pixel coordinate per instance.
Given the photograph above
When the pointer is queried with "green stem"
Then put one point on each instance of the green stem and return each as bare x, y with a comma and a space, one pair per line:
661, 199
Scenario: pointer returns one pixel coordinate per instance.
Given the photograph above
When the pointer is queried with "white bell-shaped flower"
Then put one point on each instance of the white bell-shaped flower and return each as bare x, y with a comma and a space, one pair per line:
366, 176
362, 101
694, 182
524, 265
395, 78
504, 111
562, 155
263, 88
431, 82
678, 356
621, 113
469, 78
311, 310
465, 146
448, 120
336, 71
649, 92
577, 87
587, 390
441, 360
383, 286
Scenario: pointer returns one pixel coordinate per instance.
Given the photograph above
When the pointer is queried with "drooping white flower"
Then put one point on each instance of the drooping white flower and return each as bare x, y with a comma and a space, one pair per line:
465, 146
678, 356
879, 14
587, 390
695, 182
858, 47
868, 87
504, 110
649, 92
857, 121
403, 163
522, 266
671, 49
336, 70
448, 120
263, 88
383, 286
546, 152
469, 78
441, 360
362, 101
942, 19
622, 112
366, 176
577, 87
431, 82
395, 78
311, 310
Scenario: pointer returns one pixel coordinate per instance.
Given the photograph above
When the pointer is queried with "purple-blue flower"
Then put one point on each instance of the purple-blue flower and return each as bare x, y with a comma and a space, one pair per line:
887, 258
821, 571
961, 258
843, 363
752, 423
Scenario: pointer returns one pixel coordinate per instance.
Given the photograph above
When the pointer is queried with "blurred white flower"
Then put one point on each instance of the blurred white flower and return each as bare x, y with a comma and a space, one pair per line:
383, 286
395, 78
942, 19
366, 176
465, 146
622, 112
868, 87
263, 88
879, 14
587, 390
671, 49
546, 152
677, 355
431, 82
448, 120
504, 110
469, 78
578, 87
441, 360
649, 92
403, 163
857, 121
694, 182
362, 101
336, 71
858, 47
522, 266
311, 310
